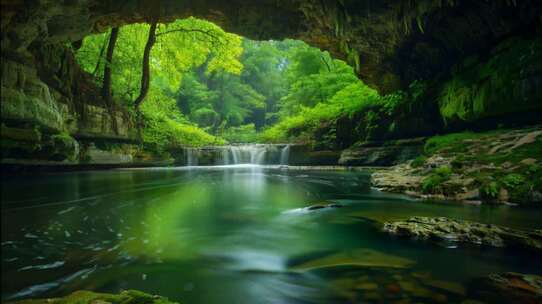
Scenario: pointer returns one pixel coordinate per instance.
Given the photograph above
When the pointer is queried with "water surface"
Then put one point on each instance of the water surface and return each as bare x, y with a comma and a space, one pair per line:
235, 234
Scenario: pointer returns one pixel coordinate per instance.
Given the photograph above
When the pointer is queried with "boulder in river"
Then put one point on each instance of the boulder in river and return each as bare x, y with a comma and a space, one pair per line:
88, 297
445, 229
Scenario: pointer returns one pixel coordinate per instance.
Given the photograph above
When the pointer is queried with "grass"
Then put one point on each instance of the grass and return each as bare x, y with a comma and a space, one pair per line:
433, 182
454, 142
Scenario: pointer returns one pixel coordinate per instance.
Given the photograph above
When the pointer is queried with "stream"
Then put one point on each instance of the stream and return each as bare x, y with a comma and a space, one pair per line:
236, 234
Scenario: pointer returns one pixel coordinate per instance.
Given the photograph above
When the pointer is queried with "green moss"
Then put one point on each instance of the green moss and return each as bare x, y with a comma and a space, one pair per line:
87, 297
451, 142
418, 161
490, 190
63, 146
433, 182
496, 87
513, 180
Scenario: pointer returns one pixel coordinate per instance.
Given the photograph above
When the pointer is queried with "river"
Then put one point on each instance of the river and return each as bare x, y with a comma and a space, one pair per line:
235, 234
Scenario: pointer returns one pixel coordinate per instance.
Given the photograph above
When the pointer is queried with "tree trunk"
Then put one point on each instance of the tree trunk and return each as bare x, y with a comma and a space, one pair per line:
106, 88
99, 61
146, 76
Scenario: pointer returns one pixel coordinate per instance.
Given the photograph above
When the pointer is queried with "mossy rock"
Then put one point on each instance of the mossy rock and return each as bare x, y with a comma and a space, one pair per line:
89, 297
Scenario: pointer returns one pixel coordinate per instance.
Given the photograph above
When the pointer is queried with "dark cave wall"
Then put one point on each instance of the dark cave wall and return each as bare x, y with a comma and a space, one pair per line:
390, 42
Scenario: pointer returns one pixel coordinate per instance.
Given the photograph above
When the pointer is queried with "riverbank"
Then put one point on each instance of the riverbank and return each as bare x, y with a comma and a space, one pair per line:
499, 166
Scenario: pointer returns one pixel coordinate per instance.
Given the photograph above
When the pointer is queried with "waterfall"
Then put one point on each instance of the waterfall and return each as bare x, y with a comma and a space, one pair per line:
191, 156
225, 156
285, 155
256, 154
236, 154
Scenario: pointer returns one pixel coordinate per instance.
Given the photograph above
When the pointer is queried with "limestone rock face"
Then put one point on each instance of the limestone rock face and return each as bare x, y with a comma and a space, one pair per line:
378, 154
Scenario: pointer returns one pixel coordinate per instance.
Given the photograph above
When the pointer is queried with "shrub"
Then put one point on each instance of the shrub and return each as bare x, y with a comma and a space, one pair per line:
418, 161
490, 190
513, 180
163, 134
241, 134
433, 182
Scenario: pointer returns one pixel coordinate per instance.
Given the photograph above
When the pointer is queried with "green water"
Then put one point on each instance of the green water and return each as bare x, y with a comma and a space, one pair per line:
235, 235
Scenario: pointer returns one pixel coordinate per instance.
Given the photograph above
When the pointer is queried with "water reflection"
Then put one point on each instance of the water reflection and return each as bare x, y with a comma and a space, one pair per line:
225, 234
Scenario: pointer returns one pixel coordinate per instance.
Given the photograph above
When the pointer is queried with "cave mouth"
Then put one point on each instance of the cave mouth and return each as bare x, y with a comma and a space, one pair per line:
220, 86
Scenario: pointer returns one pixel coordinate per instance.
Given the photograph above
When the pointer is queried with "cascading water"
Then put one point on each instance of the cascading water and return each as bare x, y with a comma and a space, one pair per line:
285, 155
256, 154
191, 156
236, 154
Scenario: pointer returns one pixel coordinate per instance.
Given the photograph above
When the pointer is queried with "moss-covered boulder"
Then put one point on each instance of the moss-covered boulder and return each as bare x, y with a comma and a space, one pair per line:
89, 297
445, 229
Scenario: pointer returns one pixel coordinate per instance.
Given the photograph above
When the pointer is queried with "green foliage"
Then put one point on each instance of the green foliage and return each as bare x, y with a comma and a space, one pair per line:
242, 134
205, 117
495, 86
433, 182
164, 134
513, 180
418, 161
490, 190
181, 46
449, 141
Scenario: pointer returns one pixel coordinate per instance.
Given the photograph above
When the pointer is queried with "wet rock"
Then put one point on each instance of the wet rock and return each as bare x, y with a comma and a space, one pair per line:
382, 155
396, 179
503, 195
367, 286
508, 287
471, 195
444, 229
357, 257
315, 207
323, 206
450, 287
528, 161
506, 165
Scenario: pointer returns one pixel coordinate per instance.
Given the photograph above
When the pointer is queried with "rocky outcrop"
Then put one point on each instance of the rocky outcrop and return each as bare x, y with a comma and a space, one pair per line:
45, 93
492, 167
382, 154
304, 155
444, 229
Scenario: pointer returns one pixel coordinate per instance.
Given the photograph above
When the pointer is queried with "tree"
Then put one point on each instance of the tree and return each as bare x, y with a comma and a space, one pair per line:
106, 87
146, 75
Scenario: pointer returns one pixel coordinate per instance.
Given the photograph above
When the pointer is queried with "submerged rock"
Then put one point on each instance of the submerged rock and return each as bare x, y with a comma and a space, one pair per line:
323, 206
508, 287
444, 229
84, 297
357, 257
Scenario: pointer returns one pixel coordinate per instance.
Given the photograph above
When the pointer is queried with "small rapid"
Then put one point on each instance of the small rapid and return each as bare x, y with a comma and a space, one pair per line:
255, 154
